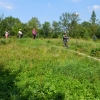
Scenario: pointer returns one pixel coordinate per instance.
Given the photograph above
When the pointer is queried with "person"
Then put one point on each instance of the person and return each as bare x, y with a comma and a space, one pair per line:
34, 33
94, 37
6, 34
20, 34
65, 40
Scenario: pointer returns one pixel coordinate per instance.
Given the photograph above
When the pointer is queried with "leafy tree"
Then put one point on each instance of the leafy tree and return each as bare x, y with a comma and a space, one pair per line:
85, 31
11, 24
34, 23
56, 29
97, 32
94, 28
69, 21
1, 27
65, 20
86, 24
74, 24
46, 29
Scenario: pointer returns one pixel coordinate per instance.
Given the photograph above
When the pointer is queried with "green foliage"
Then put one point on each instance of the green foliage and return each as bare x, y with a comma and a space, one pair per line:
97, 32
4, 41
42, 69
84, 46
56, 29
34, 23
46, 29
11, 24
68, 23
95, 52
55, 35
86, 35
93, 18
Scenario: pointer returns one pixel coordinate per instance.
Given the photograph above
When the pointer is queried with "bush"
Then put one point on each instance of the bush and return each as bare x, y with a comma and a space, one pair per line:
95, 52
4, 41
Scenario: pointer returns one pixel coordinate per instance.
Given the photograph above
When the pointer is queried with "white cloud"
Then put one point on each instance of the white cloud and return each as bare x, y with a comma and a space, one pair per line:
77, 13
95, 7
76, 0
5, 5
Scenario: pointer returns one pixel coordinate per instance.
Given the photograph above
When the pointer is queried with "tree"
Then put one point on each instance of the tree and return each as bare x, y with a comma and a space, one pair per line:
65, 19
85, 31
93, 23
1, 27
11, 24
46, 29
74, 23
55, 29
97, 32
34, 23
1, 17
68, 22
93, 18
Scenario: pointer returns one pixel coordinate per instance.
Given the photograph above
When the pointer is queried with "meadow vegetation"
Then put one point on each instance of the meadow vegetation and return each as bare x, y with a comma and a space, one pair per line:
43, 69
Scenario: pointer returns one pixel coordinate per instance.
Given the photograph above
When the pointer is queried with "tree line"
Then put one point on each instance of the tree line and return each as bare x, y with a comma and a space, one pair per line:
68, 22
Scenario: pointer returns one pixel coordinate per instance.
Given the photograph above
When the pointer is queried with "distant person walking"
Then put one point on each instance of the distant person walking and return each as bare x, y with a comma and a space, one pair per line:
34, 33
20, 34
65, 40
6, 34
94, 38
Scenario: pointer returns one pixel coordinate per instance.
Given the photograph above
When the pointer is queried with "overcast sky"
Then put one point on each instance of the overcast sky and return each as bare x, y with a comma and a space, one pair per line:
49, 10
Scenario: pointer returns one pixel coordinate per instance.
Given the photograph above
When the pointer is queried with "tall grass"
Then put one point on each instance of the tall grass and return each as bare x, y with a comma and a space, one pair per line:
43, 69
86, 46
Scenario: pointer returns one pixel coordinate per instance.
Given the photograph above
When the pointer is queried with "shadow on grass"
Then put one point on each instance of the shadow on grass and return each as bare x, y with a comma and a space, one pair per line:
9, 91
7, 86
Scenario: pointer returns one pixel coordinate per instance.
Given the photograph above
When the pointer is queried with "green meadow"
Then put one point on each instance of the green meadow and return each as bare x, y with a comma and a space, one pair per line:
43, 69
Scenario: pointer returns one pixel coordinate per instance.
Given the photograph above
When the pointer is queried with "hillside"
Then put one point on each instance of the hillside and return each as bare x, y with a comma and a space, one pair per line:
43, 69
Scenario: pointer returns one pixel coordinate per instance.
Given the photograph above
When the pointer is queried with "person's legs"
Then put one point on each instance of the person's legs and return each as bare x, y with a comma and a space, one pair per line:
19, 35
34, 36
6, 36
65, 43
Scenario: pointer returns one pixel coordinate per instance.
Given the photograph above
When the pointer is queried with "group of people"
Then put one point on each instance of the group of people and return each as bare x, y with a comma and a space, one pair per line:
20, 33
34, 34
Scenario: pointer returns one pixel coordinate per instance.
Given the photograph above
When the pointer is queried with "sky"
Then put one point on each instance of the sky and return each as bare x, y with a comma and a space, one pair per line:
49, 10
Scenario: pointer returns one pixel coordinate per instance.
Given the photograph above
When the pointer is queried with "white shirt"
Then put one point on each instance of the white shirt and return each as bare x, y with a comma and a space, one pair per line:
20, 32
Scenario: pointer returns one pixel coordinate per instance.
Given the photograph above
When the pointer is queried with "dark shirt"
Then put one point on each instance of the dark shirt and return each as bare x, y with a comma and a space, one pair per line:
65, 38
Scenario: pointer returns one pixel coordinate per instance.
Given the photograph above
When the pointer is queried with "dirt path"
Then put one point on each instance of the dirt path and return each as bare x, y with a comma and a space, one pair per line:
85, 55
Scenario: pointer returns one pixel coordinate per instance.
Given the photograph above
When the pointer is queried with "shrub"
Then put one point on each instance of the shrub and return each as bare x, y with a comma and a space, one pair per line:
95, 52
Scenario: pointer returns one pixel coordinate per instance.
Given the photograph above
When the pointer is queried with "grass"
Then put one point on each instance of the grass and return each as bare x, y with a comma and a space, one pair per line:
43, 69
85, 46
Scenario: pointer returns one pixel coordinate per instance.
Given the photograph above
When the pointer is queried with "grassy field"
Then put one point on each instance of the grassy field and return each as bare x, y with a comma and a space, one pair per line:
43, 69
